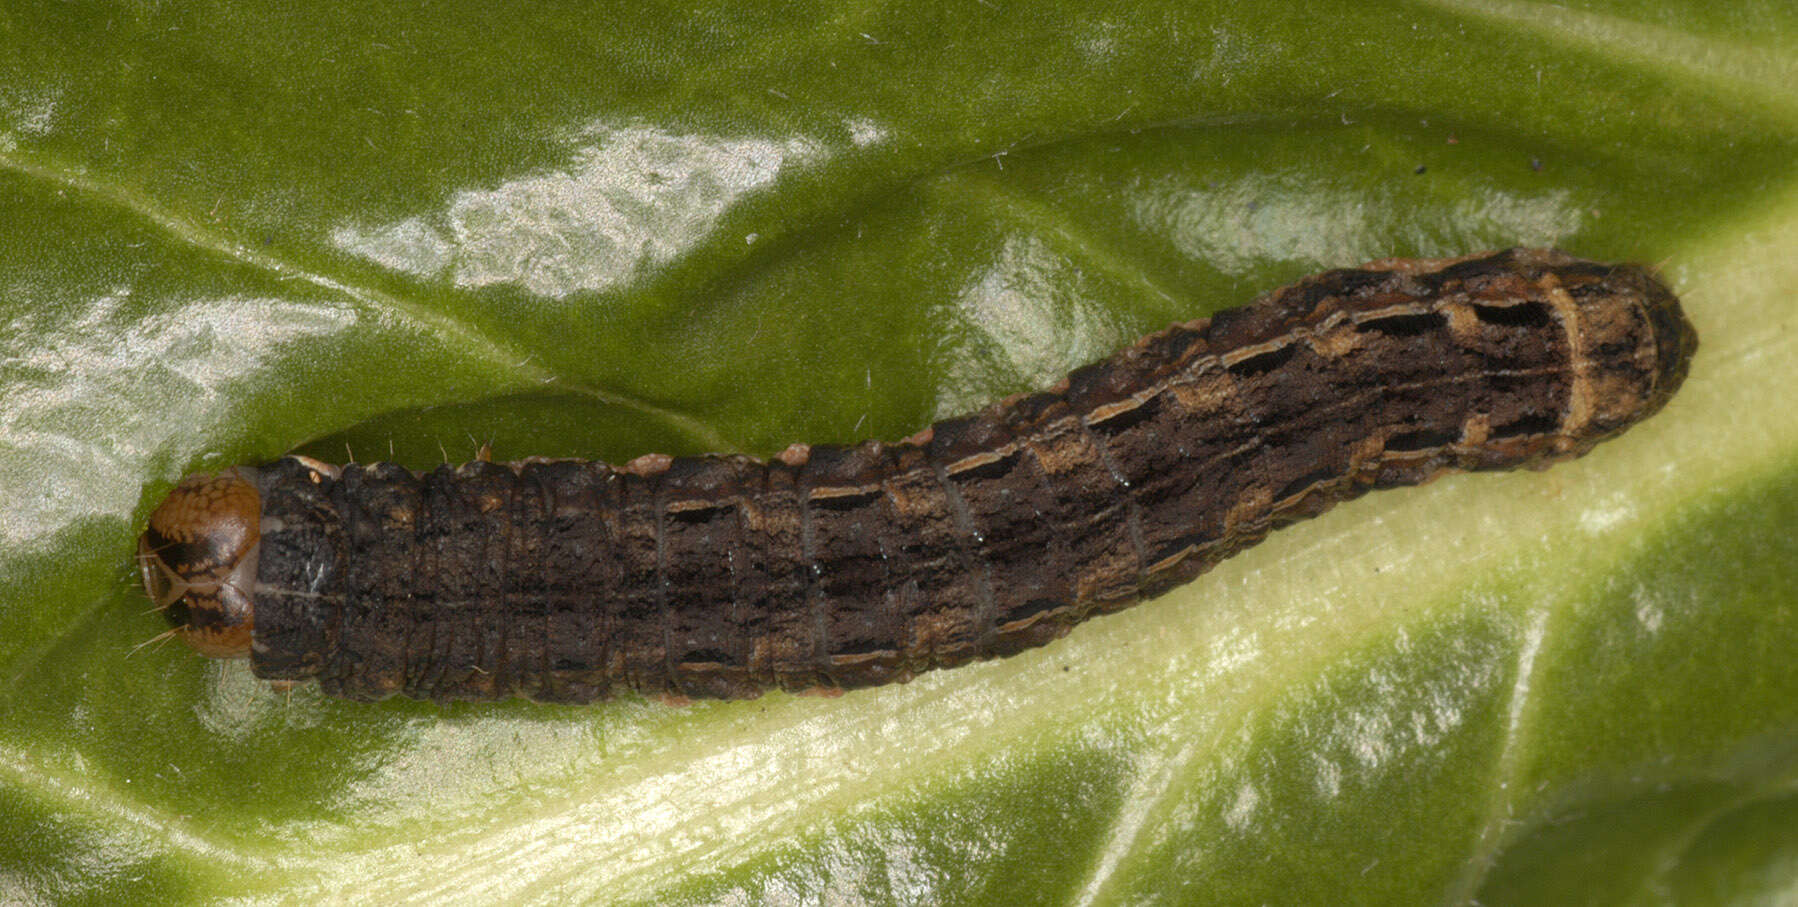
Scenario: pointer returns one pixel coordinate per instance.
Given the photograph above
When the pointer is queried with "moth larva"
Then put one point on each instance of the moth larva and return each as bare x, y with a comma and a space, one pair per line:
842, 567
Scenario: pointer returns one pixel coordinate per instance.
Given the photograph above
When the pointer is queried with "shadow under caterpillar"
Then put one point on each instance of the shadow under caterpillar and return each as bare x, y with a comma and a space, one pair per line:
840, 567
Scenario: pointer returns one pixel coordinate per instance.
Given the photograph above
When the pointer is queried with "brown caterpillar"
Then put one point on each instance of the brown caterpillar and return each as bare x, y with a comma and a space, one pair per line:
842, 567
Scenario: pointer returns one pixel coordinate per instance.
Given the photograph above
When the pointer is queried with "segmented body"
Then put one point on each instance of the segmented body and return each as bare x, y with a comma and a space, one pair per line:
982, 536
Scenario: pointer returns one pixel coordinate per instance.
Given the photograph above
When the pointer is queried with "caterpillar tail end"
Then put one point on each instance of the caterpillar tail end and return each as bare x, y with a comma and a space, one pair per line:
198, 557
1676, 341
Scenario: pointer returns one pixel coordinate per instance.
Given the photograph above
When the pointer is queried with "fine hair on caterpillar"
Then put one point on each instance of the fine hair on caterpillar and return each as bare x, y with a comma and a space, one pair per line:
829, 568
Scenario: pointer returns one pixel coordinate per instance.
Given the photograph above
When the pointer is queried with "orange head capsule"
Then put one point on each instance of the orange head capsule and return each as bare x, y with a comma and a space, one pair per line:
199, 560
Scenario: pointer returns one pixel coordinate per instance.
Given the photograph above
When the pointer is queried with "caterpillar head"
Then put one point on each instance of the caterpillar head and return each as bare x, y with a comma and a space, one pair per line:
198, 557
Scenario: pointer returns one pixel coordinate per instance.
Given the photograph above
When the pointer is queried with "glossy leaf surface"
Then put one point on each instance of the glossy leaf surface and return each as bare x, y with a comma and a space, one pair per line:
402, 230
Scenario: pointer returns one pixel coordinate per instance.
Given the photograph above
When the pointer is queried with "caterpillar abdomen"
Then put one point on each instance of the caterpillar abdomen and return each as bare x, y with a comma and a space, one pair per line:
843, 567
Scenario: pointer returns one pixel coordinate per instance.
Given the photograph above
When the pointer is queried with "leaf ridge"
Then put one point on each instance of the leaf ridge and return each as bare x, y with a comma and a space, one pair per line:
1740, 68
452, 332
26, 771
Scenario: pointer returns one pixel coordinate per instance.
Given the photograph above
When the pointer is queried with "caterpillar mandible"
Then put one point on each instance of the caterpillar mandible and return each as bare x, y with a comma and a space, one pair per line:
842, 567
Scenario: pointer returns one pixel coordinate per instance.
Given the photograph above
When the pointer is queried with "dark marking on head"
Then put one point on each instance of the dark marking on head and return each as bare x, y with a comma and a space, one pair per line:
198, 557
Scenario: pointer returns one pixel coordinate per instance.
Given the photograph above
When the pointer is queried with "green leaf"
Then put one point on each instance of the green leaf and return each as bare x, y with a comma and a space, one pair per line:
402, 230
